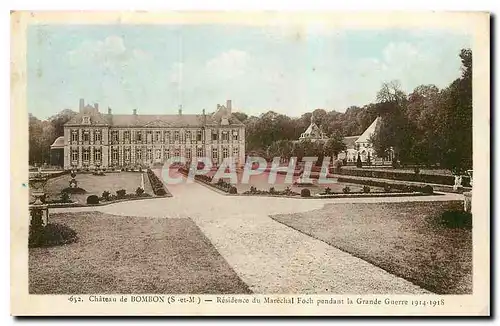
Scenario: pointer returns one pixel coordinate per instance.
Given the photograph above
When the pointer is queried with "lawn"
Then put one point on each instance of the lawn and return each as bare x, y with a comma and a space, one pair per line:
95, 185
123, 255
261, 182
404, 239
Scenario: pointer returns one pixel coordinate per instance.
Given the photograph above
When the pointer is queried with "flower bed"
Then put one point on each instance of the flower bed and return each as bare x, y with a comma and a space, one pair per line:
389, 186
286, 192
157, 185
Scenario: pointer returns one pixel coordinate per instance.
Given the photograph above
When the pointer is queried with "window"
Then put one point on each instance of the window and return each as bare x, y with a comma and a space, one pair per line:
214, 153
149, 136
86, 155
199, 152
225, 152
138, 154
86, 120
198, 135
97, 135
158, 154
126, 135
177, 152
167, 137
114, 154
138, 135
214, 135
127, 154
235, 135
97, 155
114, 136
167, 153
188, 136
86, 135
149, 156
188, 154
74, 155
74, 135
157, 136
236, 152
225, 135
176, 135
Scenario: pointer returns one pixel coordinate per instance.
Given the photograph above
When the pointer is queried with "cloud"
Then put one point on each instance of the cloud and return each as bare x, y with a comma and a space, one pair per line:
229, 64
109, 52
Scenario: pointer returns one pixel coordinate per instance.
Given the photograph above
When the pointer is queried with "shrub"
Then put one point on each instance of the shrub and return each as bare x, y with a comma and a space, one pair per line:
105, 195
456, 219
305, 193
65, 197
51, 235
157, 184
366, 189
387, 188
427, 189
416, 170
121, 193
328, 190
92, 200
76, 190
253, 190
272, 190
233, 190
346, 189
139, 191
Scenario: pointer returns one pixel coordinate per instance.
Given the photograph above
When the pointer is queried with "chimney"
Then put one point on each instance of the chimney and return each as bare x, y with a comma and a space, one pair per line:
109, 110
135, 111
228, 106
96, 106
180, 109
204, 118
82, 104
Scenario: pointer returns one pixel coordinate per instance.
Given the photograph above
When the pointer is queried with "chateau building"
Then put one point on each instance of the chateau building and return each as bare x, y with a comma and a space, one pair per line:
94, 139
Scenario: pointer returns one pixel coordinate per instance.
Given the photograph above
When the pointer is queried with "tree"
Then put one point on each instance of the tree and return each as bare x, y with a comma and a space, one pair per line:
359, 163
334, 145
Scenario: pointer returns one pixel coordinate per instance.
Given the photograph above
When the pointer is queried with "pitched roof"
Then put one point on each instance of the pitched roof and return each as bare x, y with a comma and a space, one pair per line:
350, 141
365, 137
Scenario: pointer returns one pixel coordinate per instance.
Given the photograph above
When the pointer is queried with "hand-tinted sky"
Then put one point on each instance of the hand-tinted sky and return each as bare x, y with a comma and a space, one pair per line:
156, 68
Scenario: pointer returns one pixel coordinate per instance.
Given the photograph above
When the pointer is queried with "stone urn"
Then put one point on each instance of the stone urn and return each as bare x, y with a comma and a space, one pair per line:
39, 212
468, 195
37, 184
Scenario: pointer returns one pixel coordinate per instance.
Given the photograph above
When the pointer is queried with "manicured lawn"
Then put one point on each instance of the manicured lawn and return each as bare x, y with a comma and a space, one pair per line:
261, 182
131, 255
95, 185
403, 238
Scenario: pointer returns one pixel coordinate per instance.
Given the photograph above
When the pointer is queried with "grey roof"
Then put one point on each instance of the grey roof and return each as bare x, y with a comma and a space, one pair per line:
58, 143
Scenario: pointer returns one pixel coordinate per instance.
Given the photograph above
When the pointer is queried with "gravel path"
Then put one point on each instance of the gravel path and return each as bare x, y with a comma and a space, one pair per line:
268, 256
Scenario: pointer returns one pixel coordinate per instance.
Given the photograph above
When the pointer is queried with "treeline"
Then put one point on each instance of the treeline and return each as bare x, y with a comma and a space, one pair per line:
429, 126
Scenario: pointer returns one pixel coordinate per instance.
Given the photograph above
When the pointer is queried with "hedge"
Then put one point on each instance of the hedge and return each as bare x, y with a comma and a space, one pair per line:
406, 176
388, 186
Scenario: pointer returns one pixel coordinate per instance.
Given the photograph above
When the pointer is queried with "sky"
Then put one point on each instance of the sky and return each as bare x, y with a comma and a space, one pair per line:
156, 68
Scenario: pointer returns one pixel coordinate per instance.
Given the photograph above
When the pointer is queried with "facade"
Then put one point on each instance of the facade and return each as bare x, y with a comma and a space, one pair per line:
313, 132
93, 139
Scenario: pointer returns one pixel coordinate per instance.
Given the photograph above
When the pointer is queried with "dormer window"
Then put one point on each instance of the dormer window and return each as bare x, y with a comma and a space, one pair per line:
86, 120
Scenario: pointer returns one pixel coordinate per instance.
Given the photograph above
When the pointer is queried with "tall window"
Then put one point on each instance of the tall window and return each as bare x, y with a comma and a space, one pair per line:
235, 135
198, 135
114, 154
177, 152
74, 135
236, 152
149, 136
74, 155
149, 156
158, 154
225, 152
86, 135
157, 136
138, 135
97, 155
214, 135
188, 154
176, 135
126, 136
225, 136
138, 154
127, 154
167, 153
188, 136
86, 155
199, 152
114, 136
97, 135
167, 137
215, 153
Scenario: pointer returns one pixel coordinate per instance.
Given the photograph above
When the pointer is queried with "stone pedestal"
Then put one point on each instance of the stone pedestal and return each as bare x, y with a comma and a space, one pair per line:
468, 201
